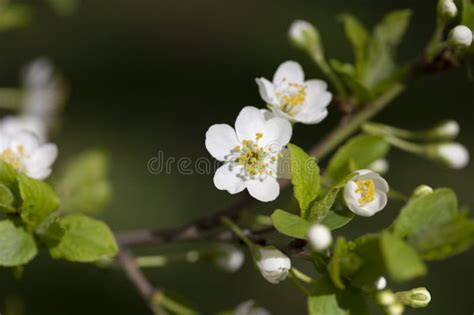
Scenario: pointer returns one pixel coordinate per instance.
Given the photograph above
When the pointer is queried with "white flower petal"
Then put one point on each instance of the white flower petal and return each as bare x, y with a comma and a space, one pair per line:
264, 190
220, 140
267, 91
227, 178
276, 133
44, 156
249, 122
311, 117
27, 140
38, 173
290, 71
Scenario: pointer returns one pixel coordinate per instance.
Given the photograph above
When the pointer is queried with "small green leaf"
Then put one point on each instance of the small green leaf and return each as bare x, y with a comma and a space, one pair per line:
381, 52
358, 35
402, 262
334, 266
14, 16
83, 185
427, 211
328, 300
336, 219
7, 174
64, 7
360, 151
39, 200
444, 240
290, 224
348, 75
6, 199
17, 247
304, 177
80, 239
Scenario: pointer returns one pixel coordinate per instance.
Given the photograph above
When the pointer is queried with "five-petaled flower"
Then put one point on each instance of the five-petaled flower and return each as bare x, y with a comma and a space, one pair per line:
291, 97
26, 154
250, 152
366, 193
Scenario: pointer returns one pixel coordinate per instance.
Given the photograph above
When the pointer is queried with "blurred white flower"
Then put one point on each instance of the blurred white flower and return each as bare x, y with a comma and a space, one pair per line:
385, 298
250, 151
250, 308
396, 308
229, 258
381, 283
380, 166
44, 92
25, 153
448, 129
11, 125
447, 9
273, 264
454, 155
319, 237
460, 37
302, 33
423, 190
291, 97
366, 193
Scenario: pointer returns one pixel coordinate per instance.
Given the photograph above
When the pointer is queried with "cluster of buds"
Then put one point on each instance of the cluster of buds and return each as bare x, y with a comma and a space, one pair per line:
394, 303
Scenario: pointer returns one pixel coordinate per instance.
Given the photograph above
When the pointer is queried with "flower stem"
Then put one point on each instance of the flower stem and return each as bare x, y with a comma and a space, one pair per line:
170, 304
346, 129
301, 276
238, 231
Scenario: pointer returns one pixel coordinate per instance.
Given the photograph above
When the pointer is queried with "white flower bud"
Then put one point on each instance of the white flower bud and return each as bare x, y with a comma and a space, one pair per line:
302, 33
379, 166
381, 283
250, 308
385, 298
449, 129
460, 37
416, 298
447, 9
319, 237
273, 264
454, 155
366, 193
423, 190
229, 258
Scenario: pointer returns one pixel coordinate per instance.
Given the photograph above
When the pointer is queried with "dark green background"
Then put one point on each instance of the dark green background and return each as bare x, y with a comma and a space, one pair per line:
154, 75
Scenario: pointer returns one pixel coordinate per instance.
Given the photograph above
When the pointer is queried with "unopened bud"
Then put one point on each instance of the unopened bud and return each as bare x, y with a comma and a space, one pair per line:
385, 298
228, 258
302, 33
447, 9
273, 264
460, 37
381, 283
453, 154
396, 308
380, 166
416, 298
319, 236
447, 130
423, 190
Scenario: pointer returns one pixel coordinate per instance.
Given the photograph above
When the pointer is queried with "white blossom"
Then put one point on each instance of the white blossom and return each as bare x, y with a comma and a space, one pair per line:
366, 193
319, 237
447, 9
25, 153
380, 166
250, 308
381, 283
250, 153
273, 264
11, 125
291, 97
460, 37
229, 258
454, 155
449, 129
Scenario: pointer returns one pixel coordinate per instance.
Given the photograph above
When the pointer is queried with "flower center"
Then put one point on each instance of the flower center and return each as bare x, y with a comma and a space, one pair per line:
13, 158
257, 161
291, 95
366, 188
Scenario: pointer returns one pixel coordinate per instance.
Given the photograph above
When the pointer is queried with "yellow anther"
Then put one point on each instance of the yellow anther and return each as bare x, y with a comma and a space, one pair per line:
366, 188
258, 136
237, 148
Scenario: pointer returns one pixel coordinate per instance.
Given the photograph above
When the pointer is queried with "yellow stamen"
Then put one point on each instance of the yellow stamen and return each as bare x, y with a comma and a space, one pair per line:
258, 136
366, 188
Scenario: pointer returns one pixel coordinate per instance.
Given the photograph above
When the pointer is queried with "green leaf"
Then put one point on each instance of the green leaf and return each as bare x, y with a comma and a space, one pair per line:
358, 35
382, 47
14, 16
304, 177
402, 262
6, 199
83, 185
334, 266
39, 200
349, 76
17, 247
327, 300
424, 212
336, 219
80, 239
444, 240
7, 174
290, 224
64, 7
360, 151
